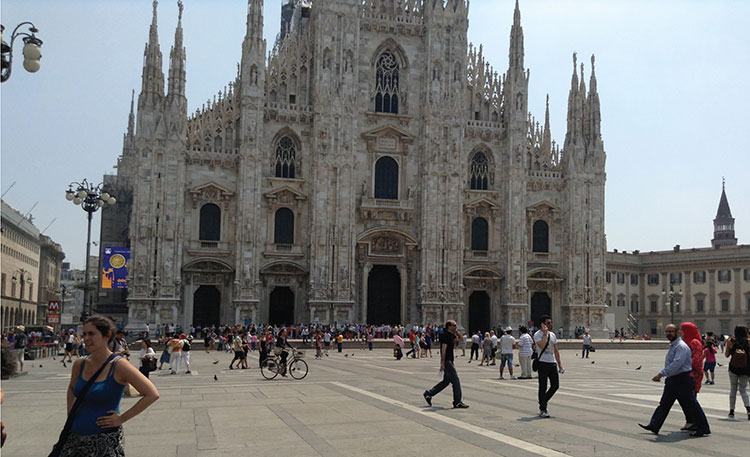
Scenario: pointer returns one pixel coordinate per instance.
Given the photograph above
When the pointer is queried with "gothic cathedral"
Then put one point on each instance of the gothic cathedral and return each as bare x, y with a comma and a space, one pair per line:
372, 167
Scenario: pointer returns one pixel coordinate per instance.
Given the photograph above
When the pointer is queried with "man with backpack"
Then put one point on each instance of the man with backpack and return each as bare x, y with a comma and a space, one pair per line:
19, 345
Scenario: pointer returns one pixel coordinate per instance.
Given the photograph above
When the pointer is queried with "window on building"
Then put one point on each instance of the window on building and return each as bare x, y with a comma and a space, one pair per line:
283, 232
608, 277
633, 279
210, 223
479, 171
286, 152
747, 304
725, 305
724, 324
746, 274
634, 305
700, 305
479, 234
653, 306
387, 78
699, 277
620, 278
2, 285
540, 237
653, 279
621, 300
609, 300
725, 275
675, 278
652, 327
13, 288
386, 178
31, 292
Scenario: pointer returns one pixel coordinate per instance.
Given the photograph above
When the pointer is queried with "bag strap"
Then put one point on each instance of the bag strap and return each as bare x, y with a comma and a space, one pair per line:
545, 347
79, 400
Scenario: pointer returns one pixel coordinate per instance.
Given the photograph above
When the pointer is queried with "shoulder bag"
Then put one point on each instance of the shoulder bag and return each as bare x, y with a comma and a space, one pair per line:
57, 449
535, 358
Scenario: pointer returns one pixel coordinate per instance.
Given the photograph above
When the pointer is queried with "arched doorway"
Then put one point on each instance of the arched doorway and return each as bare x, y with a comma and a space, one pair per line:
206, 306
479, 312
384, 295
281, 309
541, 304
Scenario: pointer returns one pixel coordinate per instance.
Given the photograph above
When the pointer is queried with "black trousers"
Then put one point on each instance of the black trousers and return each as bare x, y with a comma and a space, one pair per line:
474, 351
680, 387
547, 371
450, 376
585, 351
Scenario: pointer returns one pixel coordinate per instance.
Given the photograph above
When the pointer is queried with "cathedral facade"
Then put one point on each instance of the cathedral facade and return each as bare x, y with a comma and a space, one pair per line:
372, 167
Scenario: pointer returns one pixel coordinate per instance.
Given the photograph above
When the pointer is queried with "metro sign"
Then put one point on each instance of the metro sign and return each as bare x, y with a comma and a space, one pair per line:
53, 307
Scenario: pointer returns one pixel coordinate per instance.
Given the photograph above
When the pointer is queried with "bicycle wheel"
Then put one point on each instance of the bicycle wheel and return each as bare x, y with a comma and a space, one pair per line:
298, 368
270, 368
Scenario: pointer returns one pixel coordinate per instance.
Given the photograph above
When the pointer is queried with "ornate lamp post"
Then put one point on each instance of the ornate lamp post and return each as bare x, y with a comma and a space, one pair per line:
22, 276
673, 300
91, 197
32, 50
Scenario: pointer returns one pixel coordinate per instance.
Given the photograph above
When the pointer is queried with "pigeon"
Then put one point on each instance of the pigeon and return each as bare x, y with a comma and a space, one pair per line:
639, 367
346, 355
627, 363
352, 354
40, 365
216, 378
593, 361
719, 364
215, 362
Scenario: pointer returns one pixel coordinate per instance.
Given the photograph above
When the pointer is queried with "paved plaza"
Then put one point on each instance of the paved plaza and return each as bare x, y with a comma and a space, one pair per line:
366, 403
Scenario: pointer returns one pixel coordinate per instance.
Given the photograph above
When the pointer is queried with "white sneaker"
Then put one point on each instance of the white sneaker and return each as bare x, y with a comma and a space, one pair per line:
543, 413
513, 377
501, 377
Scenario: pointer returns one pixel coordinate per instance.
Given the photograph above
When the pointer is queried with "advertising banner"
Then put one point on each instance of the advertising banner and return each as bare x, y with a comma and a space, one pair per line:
115, 268
53, 319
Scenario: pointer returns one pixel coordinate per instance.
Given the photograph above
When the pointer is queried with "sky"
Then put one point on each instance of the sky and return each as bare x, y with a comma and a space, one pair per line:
672, 78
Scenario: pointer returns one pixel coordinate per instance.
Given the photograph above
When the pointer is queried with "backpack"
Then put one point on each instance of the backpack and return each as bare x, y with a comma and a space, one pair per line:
739, 358
20, 341
186, 345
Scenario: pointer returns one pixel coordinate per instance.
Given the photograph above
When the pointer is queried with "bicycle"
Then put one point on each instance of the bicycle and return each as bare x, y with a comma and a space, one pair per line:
295, 366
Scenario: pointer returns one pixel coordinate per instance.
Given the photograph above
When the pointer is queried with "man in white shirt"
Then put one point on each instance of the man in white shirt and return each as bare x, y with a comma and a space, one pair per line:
494, 340
586, 344
545, 343
525, 349
507, 343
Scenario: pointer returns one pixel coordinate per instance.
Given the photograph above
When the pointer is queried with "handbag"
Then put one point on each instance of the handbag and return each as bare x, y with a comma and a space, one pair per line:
57, 449
535, 357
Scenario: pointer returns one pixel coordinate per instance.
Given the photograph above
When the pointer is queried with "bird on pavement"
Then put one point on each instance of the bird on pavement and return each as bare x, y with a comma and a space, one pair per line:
639, 367
627, 363
593, 361
215, 362
346, 355
216, 378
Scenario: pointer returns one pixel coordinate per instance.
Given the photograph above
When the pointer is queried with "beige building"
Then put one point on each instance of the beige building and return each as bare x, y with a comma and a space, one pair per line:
50, 274
709, 286
21, 248
373, 167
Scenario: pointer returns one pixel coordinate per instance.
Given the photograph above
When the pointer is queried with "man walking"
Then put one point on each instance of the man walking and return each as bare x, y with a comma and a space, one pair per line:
545, 343
507, 343
475, 340
450, 376
678, 386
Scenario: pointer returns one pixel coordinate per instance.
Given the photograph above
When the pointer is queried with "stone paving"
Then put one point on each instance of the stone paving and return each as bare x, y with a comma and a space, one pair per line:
366, 403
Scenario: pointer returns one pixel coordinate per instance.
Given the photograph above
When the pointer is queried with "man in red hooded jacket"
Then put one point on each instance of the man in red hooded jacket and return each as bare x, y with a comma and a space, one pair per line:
692, 336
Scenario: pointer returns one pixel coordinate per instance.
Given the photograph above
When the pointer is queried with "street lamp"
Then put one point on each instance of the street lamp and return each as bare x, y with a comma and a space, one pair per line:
673, 300
32, 50
91, 197
22, 276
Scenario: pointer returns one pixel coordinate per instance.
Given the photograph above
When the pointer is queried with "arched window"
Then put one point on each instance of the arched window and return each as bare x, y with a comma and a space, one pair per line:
285, 154
387, 84
479, 172
386, 178
479, 234
210, 225
283, 232
541, 237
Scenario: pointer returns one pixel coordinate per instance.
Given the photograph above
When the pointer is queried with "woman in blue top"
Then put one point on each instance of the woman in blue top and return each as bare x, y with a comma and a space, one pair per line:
97, 426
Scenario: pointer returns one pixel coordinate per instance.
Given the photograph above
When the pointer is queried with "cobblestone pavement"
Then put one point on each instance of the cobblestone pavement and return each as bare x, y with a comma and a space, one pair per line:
366, 403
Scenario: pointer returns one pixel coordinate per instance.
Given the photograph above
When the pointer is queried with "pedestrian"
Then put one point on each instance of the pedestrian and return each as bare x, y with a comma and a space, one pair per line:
586, 345
94, 425
327, 341
450, 376
486, 349
340, 341
475, 340
146, 355
187, 345
525, 349
370, 337
678, 386
507, 344
427, 342
739, 369
19, 345
165, 354
239, 354
175, 356
462, 342
262, 348
550, 366
692, 337
709, 361
69, 341
318, 344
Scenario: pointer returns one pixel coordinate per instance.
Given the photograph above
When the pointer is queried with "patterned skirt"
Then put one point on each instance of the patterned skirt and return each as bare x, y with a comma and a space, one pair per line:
105, 444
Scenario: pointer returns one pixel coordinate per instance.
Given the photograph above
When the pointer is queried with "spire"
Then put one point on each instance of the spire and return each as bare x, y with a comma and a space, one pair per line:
594, 109
515, 54
131, 116
153, 76
724, 222
546, 135
177, 60
572, 98
254, 20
